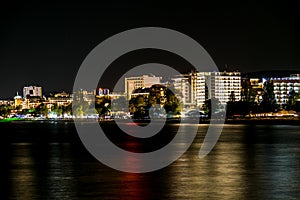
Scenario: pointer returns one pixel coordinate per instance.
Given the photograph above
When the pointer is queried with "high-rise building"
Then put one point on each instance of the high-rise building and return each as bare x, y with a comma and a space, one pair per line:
181, 85
198, 91
224, 84
32, 91
196, 87
132, 83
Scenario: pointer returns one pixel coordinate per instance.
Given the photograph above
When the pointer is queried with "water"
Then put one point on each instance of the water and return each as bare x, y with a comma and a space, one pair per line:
48, 161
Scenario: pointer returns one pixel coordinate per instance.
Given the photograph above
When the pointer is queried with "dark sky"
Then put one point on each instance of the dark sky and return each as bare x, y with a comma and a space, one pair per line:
45, 44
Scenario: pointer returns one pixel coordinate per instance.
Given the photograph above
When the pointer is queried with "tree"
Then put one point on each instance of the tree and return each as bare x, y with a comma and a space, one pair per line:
68, 109
291, 104
78, 111
41, 109
5, 110
207, 107
139, 101
232, 97
248, 94
80, 108
172, 103
103, 105
238, 108
140, 107
57, 110
119, 104
268, 103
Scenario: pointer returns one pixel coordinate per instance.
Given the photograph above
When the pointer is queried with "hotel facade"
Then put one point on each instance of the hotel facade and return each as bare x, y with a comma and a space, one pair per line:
196, 87
223, 84
284, 86
132, 83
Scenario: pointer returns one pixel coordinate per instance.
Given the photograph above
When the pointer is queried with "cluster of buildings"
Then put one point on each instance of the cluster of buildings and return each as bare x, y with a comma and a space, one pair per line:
33, 97
196, 87
193, 89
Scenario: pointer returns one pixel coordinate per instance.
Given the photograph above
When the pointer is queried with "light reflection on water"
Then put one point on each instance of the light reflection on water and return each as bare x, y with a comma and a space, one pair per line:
23, 176
248, 162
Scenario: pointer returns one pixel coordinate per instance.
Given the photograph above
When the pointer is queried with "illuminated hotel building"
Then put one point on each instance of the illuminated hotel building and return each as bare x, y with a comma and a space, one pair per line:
132, 83
283, 87
223, 84
181, 85
191, 88
194, 88
198, 87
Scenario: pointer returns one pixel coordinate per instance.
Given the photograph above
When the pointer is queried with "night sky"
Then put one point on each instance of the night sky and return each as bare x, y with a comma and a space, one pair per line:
45, 44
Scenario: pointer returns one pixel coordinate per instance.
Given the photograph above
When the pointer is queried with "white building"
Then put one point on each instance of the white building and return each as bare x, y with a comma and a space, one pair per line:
223, 84
194, 88
198, 87
132, 83
32, 91
182, 87
283, 87
191, 88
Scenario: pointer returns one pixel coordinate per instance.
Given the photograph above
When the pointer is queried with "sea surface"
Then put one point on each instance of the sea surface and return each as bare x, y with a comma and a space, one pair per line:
47, 160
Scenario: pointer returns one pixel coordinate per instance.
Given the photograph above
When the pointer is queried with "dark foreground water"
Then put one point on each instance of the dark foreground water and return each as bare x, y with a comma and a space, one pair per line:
48, 161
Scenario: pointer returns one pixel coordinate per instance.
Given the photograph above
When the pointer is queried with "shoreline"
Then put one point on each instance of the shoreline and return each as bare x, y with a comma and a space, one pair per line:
168, 121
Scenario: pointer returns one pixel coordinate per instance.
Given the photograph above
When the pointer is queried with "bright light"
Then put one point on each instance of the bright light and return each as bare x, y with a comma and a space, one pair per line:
52, 115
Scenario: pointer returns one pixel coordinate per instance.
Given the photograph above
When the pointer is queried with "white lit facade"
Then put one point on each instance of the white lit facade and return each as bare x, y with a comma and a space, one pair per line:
194, 88
191, 88
181, 86
132, 83
198, 87
32, 91
223, 83
283, 87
